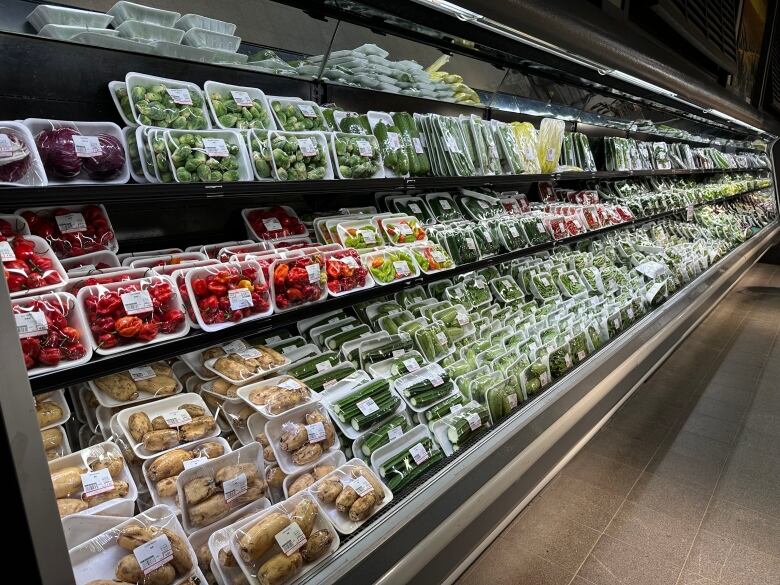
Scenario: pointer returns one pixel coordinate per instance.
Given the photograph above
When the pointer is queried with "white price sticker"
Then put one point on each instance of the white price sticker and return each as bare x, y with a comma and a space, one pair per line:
514, 232
272, 224
544, 379
273, 339
512, 399
438, 256
367, 406
87, 146
493, 150
550, 156
6, 146
488, 237
414, 208
349, 261
250, 353
137, 302
452, 144
177, 418
418, 147
394, 433
142, 373
470, 244
530, 154
322, 366
240, 298
689, 212
441, 337
307, 146
290, 538
242, 98
190, 463
630, 312
153, 554
540, 226
235, 487
7, 252
316, 432
445, 204
480, 284
474, 421
96, 482
616, 323
398, 352
456, 408
361, 486
401, 268
307, 110
567, 360
436, 381
369, 236
483, 204
234, 346
329, 384
290, 349
419, 453
180, 96
71, 222
215, 147
581, 355
411, 364
364, 148
404, 229
290, 384
313, 270
393, 140
463, 319
544, 281
31, 324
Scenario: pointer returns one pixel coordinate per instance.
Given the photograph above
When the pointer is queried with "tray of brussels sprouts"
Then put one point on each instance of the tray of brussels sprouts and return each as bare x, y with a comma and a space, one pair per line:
300, 156
214, 156
234, 106
357, 156
166, 103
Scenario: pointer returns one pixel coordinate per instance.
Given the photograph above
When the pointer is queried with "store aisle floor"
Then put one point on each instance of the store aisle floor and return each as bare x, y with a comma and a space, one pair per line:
682, 486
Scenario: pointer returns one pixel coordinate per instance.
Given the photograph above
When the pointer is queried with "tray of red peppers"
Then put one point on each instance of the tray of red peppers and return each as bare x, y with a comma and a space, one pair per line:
12, 226
72, 231
297, 281
52, 331
225, 294
29, 265
103, 260
107, 276
273, 223
136, 312
345, 272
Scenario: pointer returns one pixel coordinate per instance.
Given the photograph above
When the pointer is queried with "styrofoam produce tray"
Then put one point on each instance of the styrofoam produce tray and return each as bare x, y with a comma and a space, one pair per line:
42, 248
194, 362
218, 537
84, 265
402, 443
320, 137
122, 11
132, 79
79, 528
357, 445
98, 39
58, 398
137, 30
209, 365
158, 408
47, 14
245, 391
225, 88
66, 32
208, 39
334, 458
339, 391
230, 136
188, 21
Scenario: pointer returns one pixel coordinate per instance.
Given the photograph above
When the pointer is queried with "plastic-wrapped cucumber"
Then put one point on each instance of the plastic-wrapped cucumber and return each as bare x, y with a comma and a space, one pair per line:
367, 405
393, 152
402, 469
426, 392
444, 207
584, 154
230, 114
451, 405
355, 124
386, 348
479, 206
512, 235
327, 113
488, 242
314, 365
466, 424
406, 364
568, 153
419, 164
357, 155
326, 379
436, 289
416, 207
462, 246
487, 140
454, 142
392, 428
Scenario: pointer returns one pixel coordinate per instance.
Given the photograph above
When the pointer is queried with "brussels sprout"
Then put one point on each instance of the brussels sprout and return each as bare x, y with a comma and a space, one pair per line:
156, 107
183, 175
230, 176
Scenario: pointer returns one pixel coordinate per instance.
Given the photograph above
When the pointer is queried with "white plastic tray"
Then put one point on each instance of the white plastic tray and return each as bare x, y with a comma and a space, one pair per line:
188, 21
357, 445
209, 365
320, 137
122, 11
339, 391
334, 458
47, 14
194, 363
58, 398
219, 535
133, 79
79, 528
83, 265
207, 39
225, 88
137, 30
109, 402
183, 260
238, 416
98, 39
230, 136
43, 248
245, 391
402, 443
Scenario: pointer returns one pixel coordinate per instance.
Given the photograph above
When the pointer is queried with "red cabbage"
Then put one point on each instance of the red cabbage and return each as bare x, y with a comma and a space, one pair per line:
108, 164
16, 164
58, 152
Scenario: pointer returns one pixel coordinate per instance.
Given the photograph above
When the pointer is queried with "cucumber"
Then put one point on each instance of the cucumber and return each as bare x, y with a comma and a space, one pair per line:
366, 390
443, 408
317, 383
337, 340
365, 421
459, 429
380, 436
308, 367
423, 399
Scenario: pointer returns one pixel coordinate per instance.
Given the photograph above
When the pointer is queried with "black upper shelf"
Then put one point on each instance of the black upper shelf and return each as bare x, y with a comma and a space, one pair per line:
16, 197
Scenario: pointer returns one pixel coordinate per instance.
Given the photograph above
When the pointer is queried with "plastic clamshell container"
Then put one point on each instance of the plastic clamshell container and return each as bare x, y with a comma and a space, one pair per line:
338, 391
209, 365
133, 79
322, 142
137, 30
273, 431
36, 125
109, 402
286, 507
159, 408
85, 456
232, 137
57, 397
188, 21
402, 443
175, 303
225, 88
380, 171
248, 454
75, 319
244, 393
36, 174
206, 39
341, 519
101, 554
122, 11
48, 14
66, 32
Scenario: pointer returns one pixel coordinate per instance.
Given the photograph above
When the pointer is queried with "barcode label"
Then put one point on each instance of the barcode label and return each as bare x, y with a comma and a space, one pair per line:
290, 538
419, 453
456, 408
439, 256
240, 298
445, 204
550, 154
313, 270
153, 554
364, 148
418, 147
402, 268
414, 208
463, 319
404, 229
411, 364
350, 261
290, 384
307, 110
398, 352
234, 346
316, 432
6, 252
307, 146
441, 337
137, 302
474, 421
272, 224
242, 98
87, 146
249, 353
235, 487
97, 482
177, 418
512, 398
394, 433
142, 373
31, 324
367, 406
544, 378
361, 486
513, 231
436, 381
190, 463
393, 140
369, 237
71, 222
215, 147
180, 96
470, 244
322, 366
581, 355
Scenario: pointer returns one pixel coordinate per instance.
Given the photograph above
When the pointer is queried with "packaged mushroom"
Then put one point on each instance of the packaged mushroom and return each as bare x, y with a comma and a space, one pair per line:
211, 491
167, 423
51, 409
239, 363
148, 549
301, 438
162, 471
90, 480
136, 385
350, 495
284, 542
273, 397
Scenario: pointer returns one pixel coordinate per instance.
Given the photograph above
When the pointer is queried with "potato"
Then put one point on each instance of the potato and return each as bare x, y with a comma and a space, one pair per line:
210, 450
114, 463
294, 436
166, 488
305, 515
262, 439
275, 477
321, 471
220, 386
279, 568
52, 439
329, 490
307, 454
48, 412
182, 561
276, 358
232, 369
168, 464
198, 428
226, 558
300, 484
133, 536
260, 396
362, 507
317, 545
67, 481
119, 386
91, 400
194, 410
198, 489
129, 570
160, 385
269, 455
232, 471
212, 353
120, 490
68, 506
161, 440
259, 538
209, 510
108, 582
214, 403
347, 497
139, 425
159, 424
284, 400
330, 433
377, 485
162, 369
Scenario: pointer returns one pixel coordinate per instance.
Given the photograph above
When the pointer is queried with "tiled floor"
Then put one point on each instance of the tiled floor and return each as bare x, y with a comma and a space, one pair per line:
682, 486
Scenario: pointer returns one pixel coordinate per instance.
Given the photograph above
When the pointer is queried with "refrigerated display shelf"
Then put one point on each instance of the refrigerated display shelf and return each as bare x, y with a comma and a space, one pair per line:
199, 339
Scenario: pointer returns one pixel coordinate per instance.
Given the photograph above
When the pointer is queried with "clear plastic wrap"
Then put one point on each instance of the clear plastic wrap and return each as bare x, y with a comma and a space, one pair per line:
20, 163
30, 266
136, 385
550, 142
72, 231
527, 139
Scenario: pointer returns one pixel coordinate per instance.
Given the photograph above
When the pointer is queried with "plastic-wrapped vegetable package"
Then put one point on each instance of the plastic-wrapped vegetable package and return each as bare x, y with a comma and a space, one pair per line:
20, 163
136, 162
527, 139
534, 230
259, 149
487, 239
444, 207
417, 152
295, 115
431, 257
298, 281
209, 156
511, 234
359, 234
166, 103
550, 142
454, 145
273, 223
357, 156
404, 230
461, 245
390, 265
300, 156
479, 206
394, 155
233, 106
508, 149
358, 409
30, 265
72, 231
415, 206
345, 272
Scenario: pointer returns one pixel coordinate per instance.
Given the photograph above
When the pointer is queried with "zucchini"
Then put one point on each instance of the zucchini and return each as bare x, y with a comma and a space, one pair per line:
382, 435
319, 382
337, 340
443, 408
311, 366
